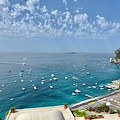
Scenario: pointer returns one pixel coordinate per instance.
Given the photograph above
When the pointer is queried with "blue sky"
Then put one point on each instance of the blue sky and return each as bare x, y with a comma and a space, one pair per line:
59, 25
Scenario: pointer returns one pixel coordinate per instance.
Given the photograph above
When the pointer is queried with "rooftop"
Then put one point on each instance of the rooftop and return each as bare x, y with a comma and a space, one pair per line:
43, 113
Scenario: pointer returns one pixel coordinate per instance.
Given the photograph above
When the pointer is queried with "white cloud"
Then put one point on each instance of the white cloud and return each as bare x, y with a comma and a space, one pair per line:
4, 3
41, 22
75, 0
54, 12
44, 9
102, 22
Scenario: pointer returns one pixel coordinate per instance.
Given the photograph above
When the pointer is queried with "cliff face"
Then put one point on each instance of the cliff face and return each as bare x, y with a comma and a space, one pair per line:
116, 57
117, 54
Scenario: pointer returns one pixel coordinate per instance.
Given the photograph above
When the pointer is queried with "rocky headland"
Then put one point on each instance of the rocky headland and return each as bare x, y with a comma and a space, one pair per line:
116, 57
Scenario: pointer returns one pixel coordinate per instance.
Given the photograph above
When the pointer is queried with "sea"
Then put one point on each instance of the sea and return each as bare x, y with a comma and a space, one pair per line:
75, 66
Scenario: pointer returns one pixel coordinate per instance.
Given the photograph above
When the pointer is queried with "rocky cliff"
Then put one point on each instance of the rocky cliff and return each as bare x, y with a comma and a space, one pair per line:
116, 57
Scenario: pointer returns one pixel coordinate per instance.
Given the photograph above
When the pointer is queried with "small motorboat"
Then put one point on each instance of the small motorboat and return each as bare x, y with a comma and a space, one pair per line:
93, 86
83, 70
22, 80
66, 78
73, 94
43, 78
15, 81
100, 86
3, 85
77, 91
35, 88
30, 80
83, 84
74, 77
51, 86
89, 87
23, 89
23, 63
42, 83
22, 70
20, 74
30, 70
12, 99
50, 79
55, 78
88, 73
52, 75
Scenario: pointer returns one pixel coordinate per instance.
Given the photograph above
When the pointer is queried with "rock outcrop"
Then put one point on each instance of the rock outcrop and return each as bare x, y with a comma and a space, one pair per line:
116, 57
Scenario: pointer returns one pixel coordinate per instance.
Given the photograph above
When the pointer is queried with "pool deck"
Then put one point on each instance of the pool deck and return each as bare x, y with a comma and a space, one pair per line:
66, 112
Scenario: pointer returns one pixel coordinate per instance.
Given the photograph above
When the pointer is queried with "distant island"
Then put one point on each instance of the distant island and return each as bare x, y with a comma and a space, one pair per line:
72, 53
116, 57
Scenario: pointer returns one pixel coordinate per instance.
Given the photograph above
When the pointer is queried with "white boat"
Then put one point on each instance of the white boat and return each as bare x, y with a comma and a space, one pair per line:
100, 86
74, 77
66, 78
15, 81
0, 90
93, 86
74, 65
96, 83
20, 74
33, 85
89, 87
50, 79
52, 75
30, 80
77, 91
35, 88
83, 84
22, 80
2, 85
55, 78
22, 70
43, 78
36, 77
23, 89
109, 89
51, 86
83, 70
88, 73
73, 94
42, 83
24, 58
12, 99
23, 63
30, 70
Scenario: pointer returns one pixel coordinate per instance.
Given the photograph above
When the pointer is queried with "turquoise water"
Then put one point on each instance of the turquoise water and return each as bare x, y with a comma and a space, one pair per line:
61, 65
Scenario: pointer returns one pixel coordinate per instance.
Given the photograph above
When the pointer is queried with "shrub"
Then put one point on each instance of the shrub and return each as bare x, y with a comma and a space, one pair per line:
12, 108
79, 114
112, 111
65, 104
6, 113
118, 111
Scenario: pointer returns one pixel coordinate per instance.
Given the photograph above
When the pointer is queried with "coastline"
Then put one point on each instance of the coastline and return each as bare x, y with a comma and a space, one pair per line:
85, 102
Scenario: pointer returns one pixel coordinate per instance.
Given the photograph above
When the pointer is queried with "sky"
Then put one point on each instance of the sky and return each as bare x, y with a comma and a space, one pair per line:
90, 26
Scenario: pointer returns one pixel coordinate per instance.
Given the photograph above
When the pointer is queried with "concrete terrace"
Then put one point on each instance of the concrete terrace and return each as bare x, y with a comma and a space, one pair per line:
67, 115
